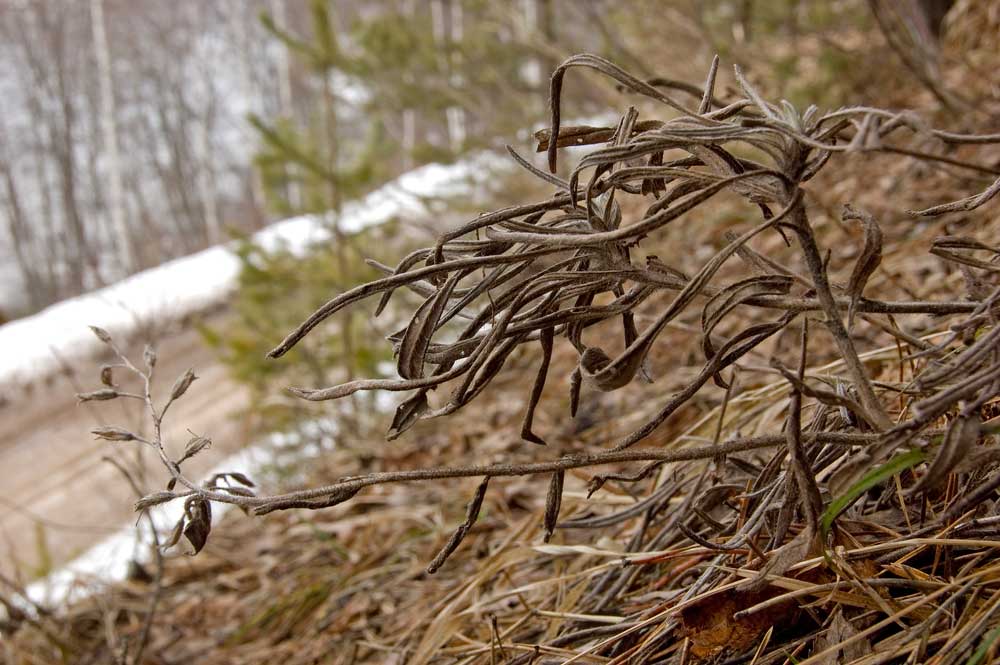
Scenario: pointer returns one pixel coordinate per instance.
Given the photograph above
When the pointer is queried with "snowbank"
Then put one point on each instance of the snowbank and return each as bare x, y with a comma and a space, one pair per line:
29, 347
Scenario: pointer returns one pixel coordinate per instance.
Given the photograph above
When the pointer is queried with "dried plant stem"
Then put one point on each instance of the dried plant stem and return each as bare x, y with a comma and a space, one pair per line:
834, 322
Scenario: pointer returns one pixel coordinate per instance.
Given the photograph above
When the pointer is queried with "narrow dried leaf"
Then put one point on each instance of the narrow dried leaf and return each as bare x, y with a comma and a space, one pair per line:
958, 444
536, 389
962, 205
471, 515
175, 535
553, 501
868, 261
417, 337
240, 478
407, 414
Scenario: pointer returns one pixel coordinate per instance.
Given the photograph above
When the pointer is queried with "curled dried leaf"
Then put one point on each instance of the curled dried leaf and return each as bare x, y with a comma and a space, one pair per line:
536, 389
198, 514
956, 446
869, 259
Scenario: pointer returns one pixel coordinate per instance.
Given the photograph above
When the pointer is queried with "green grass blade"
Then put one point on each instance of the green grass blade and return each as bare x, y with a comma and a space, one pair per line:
980, 654
889, 469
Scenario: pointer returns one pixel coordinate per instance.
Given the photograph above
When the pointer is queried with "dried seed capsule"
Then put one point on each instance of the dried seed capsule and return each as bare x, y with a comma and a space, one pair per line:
153, 499
182, 384
112, 433
102, 334
97, 395
149, 356
195, 446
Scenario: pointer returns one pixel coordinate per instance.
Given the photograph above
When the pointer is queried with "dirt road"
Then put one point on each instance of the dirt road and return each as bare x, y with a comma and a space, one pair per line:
57, 496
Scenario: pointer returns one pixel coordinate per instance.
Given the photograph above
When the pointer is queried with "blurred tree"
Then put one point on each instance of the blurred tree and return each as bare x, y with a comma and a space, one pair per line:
311, 158
276, 289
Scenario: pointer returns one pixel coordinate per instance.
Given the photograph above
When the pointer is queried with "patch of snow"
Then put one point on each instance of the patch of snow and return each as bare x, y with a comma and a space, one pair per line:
173, 290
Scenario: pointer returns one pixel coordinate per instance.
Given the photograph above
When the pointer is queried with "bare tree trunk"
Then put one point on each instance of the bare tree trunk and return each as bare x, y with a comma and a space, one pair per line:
409, 137
20, 232
206, 182
283, 65
109, 129
55, 251
457, 132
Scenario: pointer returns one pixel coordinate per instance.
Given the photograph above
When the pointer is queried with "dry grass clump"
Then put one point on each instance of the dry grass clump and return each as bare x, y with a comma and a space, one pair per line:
783, 448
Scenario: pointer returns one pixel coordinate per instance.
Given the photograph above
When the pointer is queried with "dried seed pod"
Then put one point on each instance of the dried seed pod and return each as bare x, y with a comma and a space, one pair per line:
107, 378
149, 356
182, 384
98, 395
153, 499
112, 433
102, 334
194, 446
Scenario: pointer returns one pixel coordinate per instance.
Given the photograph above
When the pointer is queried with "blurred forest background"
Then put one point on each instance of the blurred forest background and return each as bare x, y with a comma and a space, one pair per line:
125, 139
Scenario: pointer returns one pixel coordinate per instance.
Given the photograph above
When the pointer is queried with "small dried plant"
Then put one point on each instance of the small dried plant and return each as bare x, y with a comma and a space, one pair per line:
196, 522
535, 273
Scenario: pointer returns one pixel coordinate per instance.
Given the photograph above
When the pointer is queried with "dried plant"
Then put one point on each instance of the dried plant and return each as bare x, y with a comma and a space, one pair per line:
536, 273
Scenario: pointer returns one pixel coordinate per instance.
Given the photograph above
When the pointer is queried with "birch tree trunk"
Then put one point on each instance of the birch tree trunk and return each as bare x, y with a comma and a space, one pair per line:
109, 129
